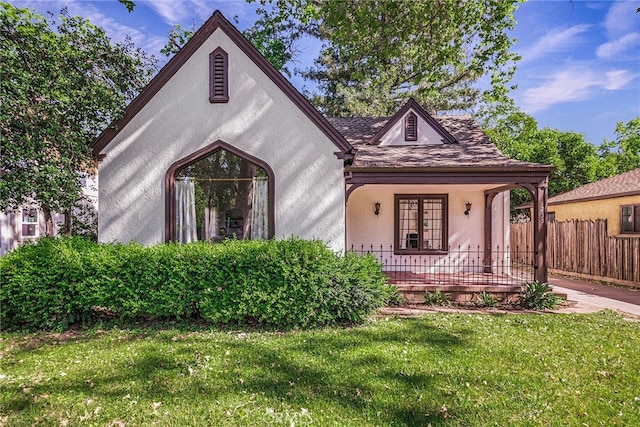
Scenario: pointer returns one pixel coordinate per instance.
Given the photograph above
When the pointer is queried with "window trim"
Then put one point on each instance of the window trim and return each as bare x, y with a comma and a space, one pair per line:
170, 185
36, 223
214, 98
445, 224
634, 208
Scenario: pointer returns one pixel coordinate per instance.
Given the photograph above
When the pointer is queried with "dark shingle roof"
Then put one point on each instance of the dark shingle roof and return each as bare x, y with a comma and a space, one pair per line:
473, 148
627, 183
358, 130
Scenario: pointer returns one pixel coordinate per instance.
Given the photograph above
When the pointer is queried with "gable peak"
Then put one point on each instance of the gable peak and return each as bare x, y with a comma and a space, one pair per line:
412, 125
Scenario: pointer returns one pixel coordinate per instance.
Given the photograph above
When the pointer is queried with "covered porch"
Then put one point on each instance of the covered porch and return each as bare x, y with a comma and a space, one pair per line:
475, 252
461, 274
429, 196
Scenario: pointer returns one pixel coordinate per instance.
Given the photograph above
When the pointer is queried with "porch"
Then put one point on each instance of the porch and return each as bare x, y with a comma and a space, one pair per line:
463, 272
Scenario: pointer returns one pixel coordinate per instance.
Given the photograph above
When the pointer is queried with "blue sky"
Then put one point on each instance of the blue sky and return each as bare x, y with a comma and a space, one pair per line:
580, 67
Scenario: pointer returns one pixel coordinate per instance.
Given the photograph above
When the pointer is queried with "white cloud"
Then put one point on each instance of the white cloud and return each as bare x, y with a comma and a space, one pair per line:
617, 79
182, 11
171, 12
573, 84
556, 40
613, 48
621, 18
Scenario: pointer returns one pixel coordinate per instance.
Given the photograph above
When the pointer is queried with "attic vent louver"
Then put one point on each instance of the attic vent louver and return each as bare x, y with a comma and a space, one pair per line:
411, 127
218, 76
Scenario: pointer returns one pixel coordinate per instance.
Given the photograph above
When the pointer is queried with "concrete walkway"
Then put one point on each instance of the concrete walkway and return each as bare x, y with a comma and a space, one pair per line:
591, 297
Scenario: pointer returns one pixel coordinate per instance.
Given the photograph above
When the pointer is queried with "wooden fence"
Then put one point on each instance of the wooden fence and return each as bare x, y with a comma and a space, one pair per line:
583, 247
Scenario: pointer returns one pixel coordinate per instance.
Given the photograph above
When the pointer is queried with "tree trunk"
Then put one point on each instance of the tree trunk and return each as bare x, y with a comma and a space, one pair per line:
67, 222
48, 221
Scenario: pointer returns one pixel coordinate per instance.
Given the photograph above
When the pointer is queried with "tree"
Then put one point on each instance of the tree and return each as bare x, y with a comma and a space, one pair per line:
377, 54
129, 4
623, 154
263, 35
517, 135
62, 83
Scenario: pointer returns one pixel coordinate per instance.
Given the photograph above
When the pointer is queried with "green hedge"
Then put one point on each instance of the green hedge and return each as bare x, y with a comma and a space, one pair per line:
291, 283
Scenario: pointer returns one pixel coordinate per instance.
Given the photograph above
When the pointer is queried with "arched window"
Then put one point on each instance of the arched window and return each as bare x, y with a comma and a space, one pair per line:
217, 193
411, 127
218, 76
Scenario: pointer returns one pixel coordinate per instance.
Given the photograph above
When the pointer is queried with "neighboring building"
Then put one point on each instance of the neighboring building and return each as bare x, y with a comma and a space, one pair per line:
616, 199
24, 225
220, 144
28, 223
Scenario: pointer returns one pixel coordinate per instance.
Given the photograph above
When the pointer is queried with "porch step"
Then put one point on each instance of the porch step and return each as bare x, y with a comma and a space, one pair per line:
414, 293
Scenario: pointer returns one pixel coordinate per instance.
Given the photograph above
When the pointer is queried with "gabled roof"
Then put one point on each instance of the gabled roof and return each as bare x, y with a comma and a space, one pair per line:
215, 22
447, 138
625, 184
473, 150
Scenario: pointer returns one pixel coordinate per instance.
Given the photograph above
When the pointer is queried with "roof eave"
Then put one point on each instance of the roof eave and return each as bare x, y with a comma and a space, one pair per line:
592, 198
446, 175
454, 169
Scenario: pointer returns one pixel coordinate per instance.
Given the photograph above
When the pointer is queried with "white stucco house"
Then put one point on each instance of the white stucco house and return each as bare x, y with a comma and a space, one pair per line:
220, 144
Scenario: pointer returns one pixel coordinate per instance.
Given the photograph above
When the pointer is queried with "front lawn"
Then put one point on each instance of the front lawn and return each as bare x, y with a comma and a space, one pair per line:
443, 369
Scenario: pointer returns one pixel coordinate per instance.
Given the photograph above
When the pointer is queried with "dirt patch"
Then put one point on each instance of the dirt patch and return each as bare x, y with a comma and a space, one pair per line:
35, 340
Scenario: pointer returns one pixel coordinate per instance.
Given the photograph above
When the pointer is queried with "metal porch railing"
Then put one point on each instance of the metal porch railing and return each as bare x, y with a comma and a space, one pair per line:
458, 266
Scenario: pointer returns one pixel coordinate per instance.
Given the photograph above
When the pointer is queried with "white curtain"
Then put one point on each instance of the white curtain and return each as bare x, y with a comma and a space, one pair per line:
211, 223
260, 209
404, 223
186, 211
408, 222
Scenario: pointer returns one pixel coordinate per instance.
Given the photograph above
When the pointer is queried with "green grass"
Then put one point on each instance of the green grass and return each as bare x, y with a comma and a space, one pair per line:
442, 369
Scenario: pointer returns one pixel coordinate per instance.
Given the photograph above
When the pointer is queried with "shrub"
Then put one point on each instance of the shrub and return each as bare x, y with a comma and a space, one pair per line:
394, 296
436, 298
538, 296
44, 285
485, 299
280, 284
358, 287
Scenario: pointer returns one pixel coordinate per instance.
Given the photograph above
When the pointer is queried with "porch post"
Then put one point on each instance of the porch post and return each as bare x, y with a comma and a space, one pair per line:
488, 228
540, 230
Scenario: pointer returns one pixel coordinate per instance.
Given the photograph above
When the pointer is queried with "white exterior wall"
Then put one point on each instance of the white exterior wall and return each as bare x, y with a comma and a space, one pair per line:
364, 228
9, 231
259, 119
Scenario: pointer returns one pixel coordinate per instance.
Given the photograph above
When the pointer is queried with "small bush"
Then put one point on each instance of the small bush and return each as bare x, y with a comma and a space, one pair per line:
538, 296
279, 284
437, 298
486, 299
395, 297
358, 287
44, 285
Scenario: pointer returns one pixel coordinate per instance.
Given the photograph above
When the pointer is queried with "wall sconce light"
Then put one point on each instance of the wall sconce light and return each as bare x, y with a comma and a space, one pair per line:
468, 206
377, 206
